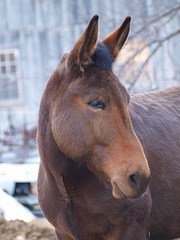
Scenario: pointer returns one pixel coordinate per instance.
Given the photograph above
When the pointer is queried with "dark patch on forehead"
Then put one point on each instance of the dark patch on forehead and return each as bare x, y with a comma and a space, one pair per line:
102, 57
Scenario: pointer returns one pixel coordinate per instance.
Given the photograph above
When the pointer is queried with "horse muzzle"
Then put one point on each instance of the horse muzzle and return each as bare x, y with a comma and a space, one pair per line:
133, 188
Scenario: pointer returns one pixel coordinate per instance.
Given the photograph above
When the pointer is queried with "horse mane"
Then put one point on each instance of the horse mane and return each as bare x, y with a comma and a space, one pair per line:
102, 57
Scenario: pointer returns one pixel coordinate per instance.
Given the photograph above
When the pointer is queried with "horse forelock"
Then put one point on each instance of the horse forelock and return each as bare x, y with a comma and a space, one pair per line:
102, 57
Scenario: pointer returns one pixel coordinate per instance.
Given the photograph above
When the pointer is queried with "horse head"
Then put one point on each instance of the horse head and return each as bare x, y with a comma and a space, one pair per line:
90, 121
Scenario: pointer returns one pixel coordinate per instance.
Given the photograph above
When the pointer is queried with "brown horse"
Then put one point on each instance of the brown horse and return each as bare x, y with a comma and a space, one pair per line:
94, 175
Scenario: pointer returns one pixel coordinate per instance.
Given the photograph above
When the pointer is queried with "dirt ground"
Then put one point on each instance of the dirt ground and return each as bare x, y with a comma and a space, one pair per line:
19, 230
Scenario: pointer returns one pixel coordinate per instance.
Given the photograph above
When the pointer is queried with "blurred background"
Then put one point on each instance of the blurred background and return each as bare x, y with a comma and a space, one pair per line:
34, 35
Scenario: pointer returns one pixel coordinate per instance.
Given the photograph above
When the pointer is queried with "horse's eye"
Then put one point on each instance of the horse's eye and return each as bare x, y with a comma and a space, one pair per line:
98, 104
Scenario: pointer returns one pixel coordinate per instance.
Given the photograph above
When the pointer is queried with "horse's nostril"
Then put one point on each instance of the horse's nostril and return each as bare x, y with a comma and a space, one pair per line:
133, 180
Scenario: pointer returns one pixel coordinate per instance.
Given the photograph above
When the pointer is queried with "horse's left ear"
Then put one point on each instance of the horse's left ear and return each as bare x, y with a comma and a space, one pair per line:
117, 38
85, 46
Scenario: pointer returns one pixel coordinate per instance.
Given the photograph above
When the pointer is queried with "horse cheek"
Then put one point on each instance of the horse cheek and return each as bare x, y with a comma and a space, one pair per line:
71, 136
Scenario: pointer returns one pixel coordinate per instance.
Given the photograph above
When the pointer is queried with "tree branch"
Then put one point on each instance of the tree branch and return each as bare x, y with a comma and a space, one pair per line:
149, 57
156, 20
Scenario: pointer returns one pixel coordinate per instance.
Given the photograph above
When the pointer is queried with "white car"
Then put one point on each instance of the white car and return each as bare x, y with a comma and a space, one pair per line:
19, 180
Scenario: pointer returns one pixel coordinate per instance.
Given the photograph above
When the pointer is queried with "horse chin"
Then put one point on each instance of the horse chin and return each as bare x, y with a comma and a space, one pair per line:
117, 193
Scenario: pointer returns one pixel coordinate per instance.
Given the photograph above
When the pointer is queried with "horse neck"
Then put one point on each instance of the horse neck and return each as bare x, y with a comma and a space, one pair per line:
53, 160
56, 166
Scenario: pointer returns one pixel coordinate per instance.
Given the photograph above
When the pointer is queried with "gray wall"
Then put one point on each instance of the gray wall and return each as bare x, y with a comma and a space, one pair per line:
43, 30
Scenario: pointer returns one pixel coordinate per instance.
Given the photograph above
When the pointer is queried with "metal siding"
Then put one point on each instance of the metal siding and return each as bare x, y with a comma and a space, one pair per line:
14, 14
3, 20
43, 30
28, 17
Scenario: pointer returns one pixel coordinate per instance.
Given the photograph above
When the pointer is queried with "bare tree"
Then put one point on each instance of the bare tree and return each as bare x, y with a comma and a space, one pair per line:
160, 26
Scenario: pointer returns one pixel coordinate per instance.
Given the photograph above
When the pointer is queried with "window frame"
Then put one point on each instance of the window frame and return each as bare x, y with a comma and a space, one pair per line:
16, 75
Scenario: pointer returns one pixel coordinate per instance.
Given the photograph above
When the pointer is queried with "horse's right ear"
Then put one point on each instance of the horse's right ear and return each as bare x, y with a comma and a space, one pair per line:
117, 38
85, 46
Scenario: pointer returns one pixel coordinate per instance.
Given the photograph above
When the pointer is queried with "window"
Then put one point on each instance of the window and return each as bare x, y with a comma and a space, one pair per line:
9, 88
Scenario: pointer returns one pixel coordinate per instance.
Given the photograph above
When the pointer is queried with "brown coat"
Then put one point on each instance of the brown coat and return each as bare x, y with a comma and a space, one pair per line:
94, 175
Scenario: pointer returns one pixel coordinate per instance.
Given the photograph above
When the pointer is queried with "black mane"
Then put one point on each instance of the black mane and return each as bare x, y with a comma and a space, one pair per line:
102, 57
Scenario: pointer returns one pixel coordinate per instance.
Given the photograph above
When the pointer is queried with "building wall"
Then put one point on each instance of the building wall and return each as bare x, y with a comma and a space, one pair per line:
42, 31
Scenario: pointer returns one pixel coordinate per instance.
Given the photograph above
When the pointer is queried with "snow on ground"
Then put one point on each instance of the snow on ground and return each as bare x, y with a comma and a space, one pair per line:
11, 209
